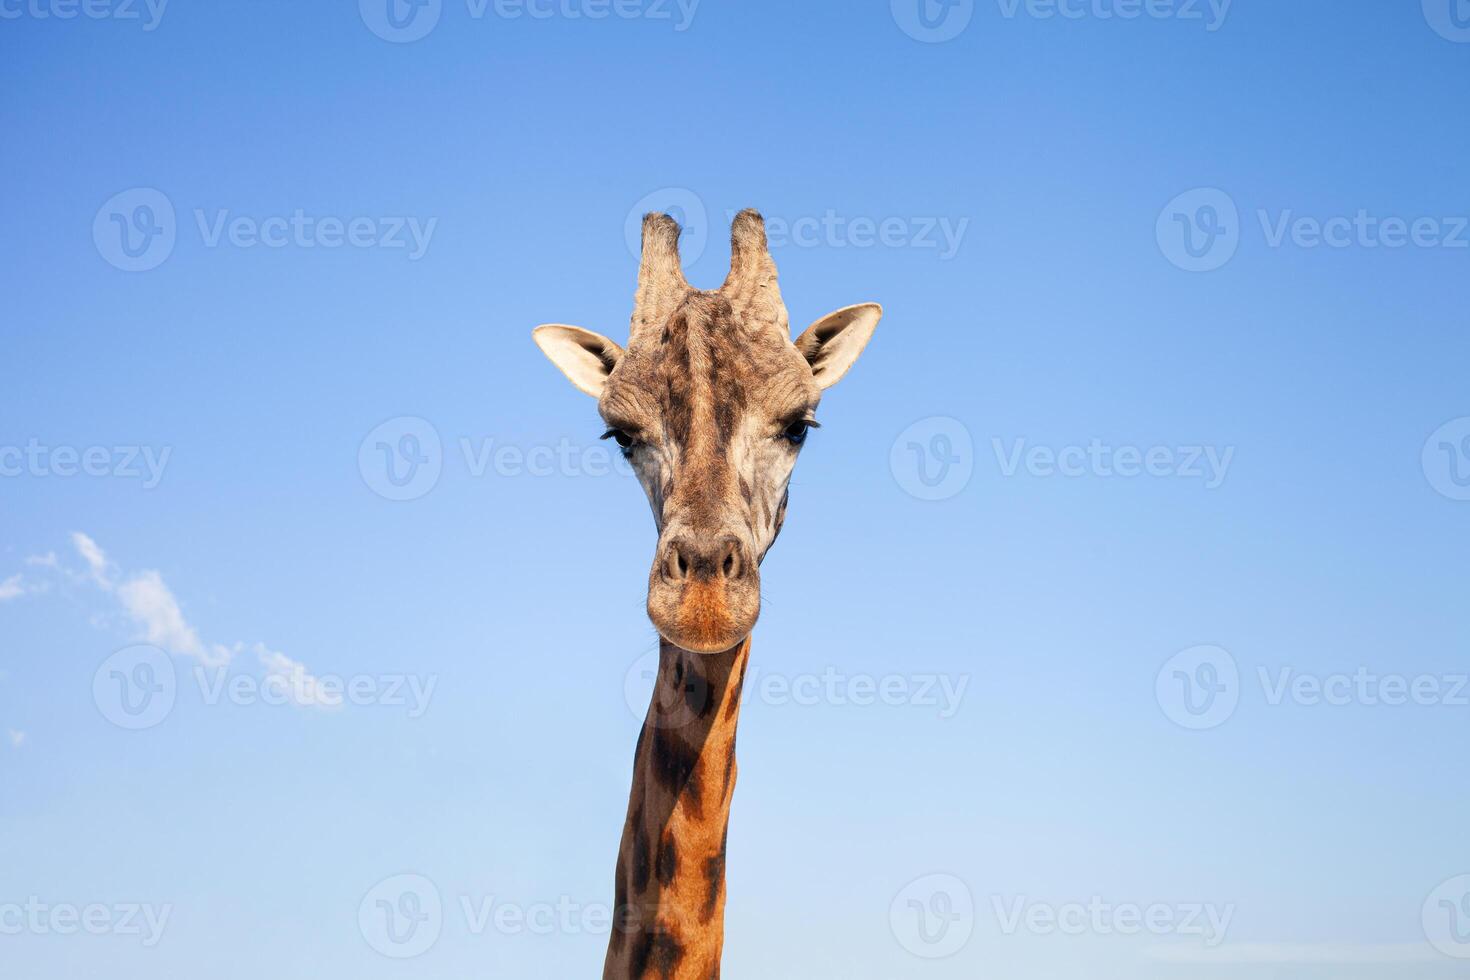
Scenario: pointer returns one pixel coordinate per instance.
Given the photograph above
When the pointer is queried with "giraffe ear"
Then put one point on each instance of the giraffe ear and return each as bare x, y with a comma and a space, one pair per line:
833, 343
586, 358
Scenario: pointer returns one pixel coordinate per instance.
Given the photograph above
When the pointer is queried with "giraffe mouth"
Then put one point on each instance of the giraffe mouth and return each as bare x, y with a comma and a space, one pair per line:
704, 616
704, 590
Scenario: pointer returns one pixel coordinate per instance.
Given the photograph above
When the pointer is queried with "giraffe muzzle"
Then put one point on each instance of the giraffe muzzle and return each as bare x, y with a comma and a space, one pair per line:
704, 591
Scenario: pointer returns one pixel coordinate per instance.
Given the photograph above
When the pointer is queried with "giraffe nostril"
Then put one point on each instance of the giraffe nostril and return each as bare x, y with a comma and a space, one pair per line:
676, 565
733, 562
688, 557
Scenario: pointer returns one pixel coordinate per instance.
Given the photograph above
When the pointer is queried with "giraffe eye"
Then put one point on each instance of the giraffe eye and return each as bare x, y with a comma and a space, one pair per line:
796, 432
623, 439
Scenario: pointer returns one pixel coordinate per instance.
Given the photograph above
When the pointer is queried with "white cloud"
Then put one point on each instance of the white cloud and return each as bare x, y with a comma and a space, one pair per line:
94, 557
294, 681
150, 604
17, 739
11, 589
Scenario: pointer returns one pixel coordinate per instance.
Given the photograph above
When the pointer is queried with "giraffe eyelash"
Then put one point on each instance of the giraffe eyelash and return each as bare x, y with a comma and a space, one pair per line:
624, 440
796, 430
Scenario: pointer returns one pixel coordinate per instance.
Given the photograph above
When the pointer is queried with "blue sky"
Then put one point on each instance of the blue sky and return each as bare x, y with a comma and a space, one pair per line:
1146, 507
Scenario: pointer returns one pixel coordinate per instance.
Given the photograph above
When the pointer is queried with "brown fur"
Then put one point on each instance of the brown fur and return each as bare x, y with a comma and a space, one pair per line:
669, 923
705, 398
708, 383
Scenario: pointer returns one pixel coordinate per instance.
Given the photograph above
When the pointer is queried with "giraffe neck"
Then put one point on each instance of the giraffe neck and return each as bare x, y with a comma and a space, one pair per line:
670, 919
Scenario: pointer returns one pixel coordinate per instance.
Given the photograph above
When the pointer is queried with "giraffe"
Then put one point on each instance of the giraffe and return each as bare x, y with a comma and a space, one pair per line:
711, 402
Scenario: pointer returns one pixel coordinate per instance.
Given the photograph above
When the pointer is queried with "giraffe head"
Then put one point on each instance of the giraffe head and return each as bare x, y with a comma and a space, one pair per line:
711, 402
